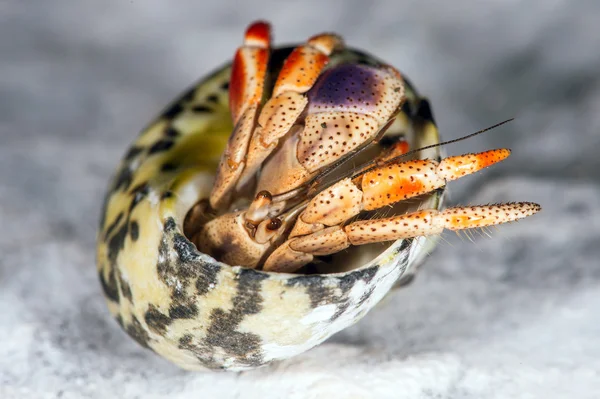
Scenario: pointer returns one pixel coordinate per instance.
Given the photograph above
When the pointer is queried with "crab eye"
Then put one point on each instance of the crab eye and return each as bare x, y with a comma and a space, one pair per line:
274, 224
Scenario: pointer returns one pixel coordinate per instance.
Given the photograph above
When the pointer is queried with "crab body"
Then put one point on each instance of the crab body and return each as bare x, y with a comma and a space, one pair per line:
245, 179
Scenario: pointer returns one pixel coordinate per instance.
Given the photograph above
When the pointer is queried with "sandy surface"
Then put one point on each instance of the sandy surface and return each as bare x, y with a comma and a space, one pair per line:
512, 316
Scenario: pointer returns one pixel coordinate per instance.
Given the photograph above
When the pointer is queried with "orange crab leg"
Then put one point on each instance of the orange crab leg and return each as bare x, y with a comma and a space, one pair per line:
245, 94
389, 184
304, 65
299, 251
433, 222
318, 230
254, 138
249, 69
298, 74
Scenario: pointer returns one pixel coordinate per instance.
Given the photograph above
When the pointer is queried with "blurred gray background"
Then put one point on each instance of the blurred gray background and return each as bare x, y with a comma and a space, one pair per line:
515, 315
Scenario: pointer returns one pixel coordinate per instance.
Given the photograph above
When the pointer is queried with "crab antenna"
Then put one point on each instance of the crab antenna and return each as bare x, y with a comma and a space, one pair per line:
406, 154
477, 133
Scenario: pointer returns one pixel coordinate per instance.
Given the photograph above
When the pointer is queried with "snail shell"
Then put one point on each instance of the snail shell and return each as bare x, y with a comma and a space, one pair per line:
203, 314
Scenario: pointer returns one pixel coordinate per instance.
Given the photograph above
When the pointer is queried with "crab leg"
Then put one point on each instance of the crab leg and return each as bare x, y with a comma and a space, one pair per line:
433, 222
300, 251
387, 185
298, 75
245, 93
304, 65
248, 69
392, 183
253, 140
376, 188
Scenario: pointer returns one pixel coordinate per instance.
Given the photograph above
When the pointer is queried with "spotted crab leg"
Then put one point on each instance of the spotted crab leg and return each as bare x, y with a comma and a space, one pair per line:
245, 94
432, 222
386, 185
318, 229
295, 253
298, 75
253, 140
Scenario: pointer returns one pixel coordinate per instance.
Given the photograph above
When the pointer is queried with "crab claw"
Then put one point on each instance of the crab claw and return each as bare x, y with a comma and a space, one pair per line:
348, 106
228, 239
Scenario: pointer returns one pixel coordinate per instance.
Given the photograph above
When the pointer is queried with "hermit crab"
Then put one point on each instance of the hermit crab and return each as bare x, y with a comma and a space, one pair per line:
276, 202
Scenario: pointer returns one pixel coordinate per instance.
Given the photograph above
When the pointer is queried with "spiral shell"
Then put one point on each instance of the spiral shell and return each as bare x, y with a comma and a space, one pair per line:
203, 314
